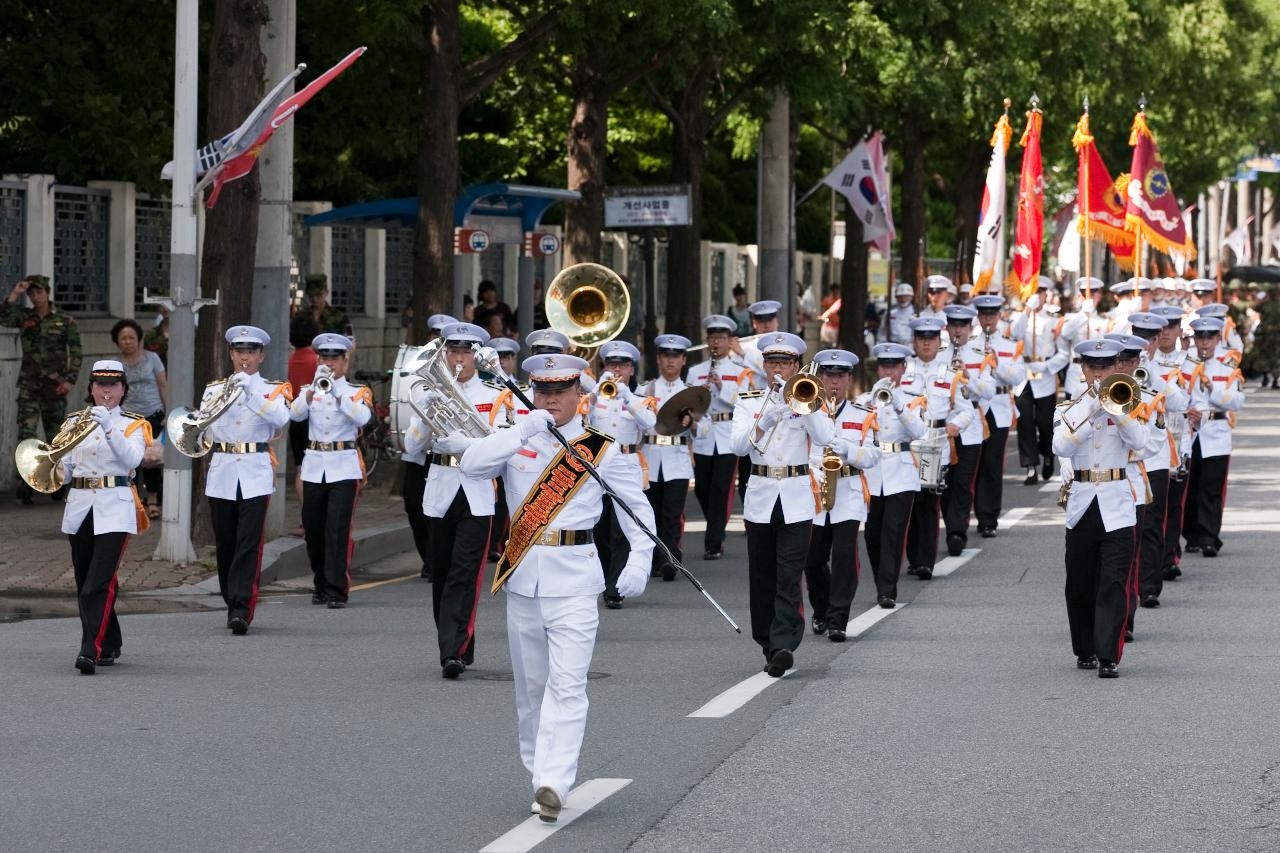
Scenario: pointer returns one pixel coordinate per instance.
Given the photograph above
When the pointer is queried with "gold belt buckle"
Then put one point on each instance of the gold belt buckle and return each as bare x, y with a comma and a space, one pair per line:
778, 472
93, 482
548, 537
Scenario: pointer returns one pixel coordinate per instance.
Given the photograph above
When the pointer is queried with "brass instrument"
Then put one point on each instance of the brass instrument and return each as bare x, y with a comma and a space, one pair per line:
323, 382
607, 390
747, 340
882, 393
831, 465
1119, 394
1142, 376
185, 428
449, 410
38, 463
589, 304
801, 393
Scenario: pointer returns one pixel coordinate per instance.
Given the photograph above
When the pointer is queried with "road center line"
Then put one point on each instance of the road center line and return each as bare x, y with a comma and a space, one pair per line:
950, 564
738, 695
533, 831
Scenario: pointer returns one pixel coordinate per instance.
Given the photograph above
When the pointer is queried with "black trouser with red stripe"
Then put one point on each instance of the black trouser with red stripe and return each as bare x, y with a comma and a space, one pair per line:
238, 532
667, 498
96, 559
1135, 562
1206, 497
415, 483
1098, 586
1173, 521
922, 534
775, 562
887, 520
988, 488
1151, 549
957, 498
712, 486
1035, 428
831, 590
459, 551
327, 510
612, 545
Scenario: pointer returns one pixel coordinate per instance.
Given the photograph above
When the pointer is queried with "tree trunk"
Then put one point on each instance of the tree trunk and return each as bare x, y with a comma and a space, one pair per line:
912, 233
587, 151
853, 293
440, 102
968, 200
689, 128
236, 69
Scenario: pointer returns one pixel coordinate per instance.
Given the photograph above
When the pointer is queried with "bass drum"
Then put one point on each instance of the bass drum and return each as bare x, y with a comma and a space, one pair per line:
402, 377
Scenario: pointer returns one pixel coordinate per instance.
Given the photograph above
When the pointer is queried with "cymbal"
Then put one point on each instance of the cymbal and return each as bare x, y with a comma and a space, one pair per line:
696, 400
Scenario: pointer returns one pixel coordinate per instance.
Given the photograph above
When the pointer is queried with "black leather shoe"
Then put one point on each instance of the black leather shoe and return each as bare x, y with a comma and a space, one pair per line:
85, 664
238, 625
836, 635
713, 555
613, 601
1209, 551
317, 598
1192, 548
1128, 636
913, 570
1172, 573
988, 532
1091, 662
336, 604
955, 544
1046, 470
819, 626
668, 572
779, 662
425, 573
109, 658
1032, 477
1107, 669
1150, 600
452, 668
885, 601
925, 573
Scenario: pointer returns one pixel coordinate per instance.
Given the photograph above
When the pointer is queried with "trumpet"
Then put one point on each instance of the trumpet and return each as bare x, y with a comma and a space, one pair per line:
323, 382
607, 390
882, 393
1119, 394
186, 429
38, 463
1142, 376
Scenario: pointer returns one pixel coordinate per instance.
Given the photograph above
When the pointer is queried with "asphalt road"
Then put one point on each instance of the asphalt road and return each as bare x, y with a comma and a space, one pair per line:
958, 722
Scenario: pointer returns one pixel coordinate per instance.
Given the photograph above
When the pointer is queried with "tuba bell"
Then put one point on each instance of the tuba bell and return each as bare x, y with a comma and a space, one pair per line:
1119, 394
186, 429
38, 463
448, 410
589, 304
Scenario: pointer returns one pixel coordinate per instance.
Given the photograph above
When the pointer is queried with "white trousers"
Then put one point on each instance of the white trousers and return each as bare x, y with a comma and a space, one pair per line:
551, 642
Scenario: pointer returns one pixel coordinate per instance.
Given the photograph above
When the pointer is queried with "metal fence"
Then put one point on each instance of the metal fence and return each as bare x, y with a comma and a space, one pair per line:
399, 289
150, 248
346, 288
13, 197
81, 249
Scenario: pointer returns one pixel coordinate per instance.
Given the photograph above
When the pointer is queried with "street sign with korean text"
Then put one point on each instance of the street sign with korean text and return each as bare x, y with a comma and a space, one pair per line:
647, 207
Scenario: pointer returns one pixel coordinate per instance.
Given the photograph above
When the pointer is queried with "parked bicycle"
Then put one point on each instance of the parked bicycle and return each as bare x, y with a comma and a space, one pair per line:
375, 439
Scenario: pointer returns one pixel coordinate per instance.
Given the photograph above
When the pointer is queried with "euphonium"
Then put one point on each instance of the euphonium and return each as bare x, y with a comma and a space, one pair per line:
831, 465
186, 428
38, 463
1119, 394
447, 411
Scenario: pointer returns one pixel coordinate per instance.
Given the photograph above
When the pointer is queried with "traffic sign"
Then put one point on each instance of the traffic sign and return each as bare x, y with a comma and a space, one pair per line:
470, 241
539, 244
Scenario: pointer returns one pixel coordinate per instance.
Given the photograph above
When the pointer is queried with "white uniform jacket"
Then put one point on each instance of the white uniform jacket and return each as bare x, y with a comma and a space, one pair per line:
1216, 388
113, 453
444, 477
549, 571
899, 325
1041, 349
733, 378
670, 461
978, 390
938, 383
627, 417
333, 417
790, 448
1103, 443
255, 418
892, 433
849, 421
1009, 372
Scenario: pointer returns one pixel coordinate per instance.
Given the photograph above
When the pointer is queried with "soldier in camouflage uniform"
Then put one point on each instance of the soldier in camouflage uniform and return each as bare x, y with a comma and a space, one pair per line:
327, 317
50, 361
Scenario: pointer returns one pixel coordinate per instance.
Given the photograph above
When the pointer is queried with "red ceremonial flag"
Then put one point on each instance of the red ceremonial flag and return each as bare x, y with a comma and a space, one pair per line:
1152, 211
238, 167
1101, 200
1030, 225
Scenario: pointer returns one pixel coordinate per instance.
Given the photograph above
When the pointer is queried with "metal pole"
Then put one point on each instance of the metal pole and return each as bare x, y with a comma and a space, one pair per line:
650, 297
524, 295
175, 533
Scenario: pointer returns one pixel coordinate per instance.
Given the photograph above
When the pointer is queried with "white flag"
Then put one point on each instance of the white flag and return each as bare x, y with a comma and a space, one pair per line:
880, 164
856, 179
1238, 242
986, 257
1069, 246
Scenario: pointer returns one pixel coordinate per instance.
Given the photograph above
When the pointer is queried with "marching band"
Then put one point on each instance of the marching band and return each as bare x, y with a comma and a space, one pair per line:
580, 491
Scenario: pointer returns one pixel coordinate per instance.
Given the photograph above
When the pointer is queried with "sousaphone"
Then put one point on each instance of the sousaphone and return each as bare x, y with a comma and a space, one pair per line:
589, 304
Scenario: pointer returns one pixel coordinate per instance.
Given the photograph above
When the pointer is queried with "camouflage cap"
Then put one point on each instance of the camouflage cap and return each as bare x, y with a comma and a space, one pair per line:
40, 281
315, 283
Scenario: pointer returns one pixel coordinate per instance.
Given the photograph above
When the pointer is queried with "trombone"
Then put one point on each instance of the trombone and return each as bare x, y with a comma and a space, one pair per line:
801, 393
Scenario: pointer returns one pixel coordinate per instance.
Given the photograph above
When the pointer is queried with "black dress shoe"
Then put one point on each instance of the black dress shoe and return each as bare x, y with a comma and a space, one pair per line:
988, 532
452, 668
109, 658
1107, 669
819, 626
836, 635
713, 555
913, 570
779, 662
1192, 548
1150, 600
885, 601
317, 598
925, 573
1091, 662
1172, 573
1128, 636
1209, 551
238, 625
668, 572
85, 664
425, 573
336, 604
1032, 477
613, 601
955, 544
1046, 470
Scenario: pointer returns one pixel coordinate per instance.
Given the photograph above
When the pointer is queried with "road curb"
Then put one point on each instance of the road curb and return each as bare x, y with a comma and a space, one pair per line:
286, 557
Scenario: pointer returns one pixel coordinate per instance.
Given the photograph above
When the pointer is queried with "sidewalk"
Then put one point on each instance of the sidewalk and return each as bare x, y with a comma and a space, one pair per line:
37, 560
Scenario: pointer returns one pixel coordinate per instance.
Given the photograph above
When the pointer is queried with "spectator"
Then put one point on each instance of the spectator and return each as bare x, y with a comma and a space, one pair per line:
830, 315
325, 316
491, 306
539, 313
302, 369
468, 308
739, 312
50, 363
806, 306
156, 338
147, 383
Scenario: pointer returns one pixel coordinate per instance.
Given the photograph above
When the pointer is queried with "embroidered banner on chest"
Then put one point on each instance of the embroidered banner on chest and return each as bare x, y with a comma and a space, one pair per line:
550, 494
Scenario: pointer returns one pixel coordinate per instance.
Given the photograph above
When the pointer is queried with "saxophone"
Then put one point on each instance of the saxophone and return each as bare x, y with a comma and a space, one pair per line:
831, 465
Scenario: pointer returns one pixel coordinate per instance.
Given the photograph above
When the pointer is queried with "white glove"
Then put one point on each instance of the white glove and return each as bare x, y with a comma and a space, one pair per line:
241, 380
899, 400
608, 376
1035, 367
102, 417
632, 581
536, 422
771, 416
588, 384
1087, 306
1034, 302
454, 443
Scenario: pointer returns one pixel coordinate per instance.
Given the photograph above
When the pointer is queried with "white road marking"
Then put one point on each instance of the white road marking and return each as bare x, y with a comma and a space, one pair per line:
862, 623
1051, 486
737, 696
1013, 516
533, 831
950, 564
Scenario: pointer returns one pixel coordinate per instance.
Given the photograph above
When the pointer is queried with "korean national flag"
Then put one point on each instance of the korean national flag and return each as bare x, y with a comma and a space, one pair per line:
856, 179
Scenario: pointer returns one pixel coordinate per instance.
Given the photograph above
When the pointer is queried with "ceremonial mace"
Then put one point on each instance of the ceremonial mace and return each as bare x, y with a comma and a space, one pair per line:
487, 359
